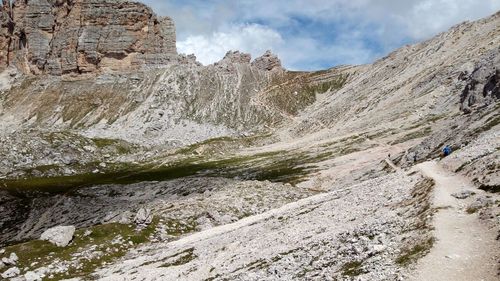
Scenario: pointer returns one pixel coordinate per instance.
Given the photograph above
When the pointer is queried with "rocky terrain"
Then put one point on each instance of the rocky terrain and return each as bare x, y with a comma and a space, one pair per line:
122, 160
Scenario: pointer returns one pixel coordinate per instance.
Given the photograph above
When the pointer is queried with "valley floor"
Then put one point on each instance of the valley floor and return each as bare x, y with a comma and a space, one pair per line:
352, 214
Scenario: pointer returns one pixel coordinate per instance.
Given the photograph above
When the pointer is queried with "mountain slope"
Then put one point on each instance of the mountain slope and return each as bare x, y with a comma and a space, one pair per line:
249, 171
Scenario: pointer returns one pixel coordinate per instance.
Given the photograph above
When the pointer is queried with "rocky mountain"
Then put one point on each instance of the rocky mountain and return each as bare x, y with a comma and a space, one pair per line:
240, 170
60, 37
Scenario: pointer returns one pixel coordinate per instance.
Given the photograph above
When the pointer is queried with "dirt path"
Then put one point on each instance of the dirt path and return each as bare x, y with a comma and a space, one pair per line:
465, 249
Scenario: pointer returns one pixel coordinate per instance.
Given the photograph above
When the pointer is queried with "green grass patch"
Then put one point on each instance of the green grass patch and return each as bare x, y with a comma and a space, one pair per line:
414, 135
122, 147
471, 210
182, 258
273, 166
42, 253
352, 269
411, 255
488, 125
177, 228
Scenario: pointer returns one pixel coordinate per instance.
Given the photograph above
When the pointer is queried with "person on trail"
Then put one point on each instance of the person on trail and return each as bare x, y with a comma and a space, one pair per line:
415, 158
446, 150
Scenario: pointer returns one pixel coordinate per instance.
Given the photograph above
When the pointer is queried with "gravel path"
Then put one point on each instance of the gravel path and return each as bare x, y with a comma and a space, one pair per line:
465, 249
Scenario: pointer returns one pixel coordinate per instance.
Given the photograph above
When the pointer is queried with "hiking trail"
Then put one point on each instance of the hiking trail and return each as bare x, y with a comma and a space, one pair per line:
464, 248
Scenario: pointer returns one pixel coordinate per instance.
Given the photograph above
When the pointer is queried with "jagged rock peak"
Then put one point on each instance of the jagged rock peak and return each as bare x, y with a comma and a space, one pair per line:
236, 57
268, 62
80, 36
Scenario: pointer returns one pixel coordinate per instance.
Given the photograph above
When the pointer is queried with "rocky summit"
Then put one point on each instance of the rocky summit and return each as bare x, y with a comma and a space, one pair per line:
123, 160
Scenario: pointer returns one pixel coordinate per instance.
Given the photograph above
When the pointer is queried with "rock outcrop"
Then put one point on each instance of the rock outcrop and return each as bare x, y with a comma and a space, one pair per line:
268, 62
482, 83
231, 59
62, 36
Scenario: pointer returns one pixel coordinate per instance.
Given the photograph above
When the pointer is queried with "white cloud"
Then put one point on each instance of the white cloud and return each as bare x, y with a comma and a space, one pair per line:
250, 38
429, 17
361, 30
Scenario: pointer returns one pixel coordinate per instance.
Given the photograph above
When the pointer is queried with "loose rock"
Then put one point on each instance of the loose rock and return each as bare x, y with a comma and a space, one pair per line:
60, 236
11, 272
11, 260
143, 217
464, 194
32, 276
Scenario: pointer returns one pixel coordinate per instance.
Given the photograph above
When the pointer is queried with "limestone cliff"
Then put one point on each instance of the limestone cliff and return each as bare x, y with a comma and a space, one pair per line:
63, 36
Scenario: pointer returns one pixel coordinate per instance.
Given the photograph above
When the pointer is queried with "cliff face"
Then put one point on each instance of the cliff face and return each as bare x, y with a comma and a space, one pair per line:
64, 36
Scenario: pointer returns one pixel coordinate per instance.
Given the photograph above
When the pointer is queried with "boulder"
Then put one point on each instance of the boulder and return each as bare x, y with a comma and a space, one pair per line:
11, 272
480, 203
32, 276
11, 260
379, 248
143, 217
60, 236
463, 194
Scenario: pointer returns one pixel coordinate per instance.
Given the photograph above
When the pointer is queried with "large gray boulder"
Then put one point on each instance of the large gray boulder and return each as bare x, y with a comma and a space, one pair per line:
11, 272
32, 276
60, 236
11, 260
143, 217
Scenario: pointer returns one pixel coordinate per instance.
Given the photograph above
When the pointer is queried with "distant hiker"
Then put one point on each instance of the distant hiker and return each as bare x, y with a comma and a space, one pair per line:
446, 150
389, 156
415, 158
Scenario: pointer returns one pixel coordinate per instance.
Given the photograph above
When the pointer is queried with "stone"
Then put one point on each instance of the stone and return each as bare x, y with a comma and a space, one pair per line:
11, 260
11, 272
32, 276
60, 236
143, 217
61, 37
13, 257
125, 217
480, 203
379, 248
463, 194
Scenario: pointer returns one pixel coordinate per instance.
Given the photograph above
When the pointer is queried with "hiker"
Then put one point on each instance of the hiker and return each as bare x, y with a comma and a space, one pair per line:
415, 158
446, 150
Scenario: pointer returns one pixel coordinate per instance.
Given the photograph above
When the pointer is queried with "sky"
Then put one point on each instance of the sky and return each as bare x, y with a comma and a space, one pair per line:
312, 34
